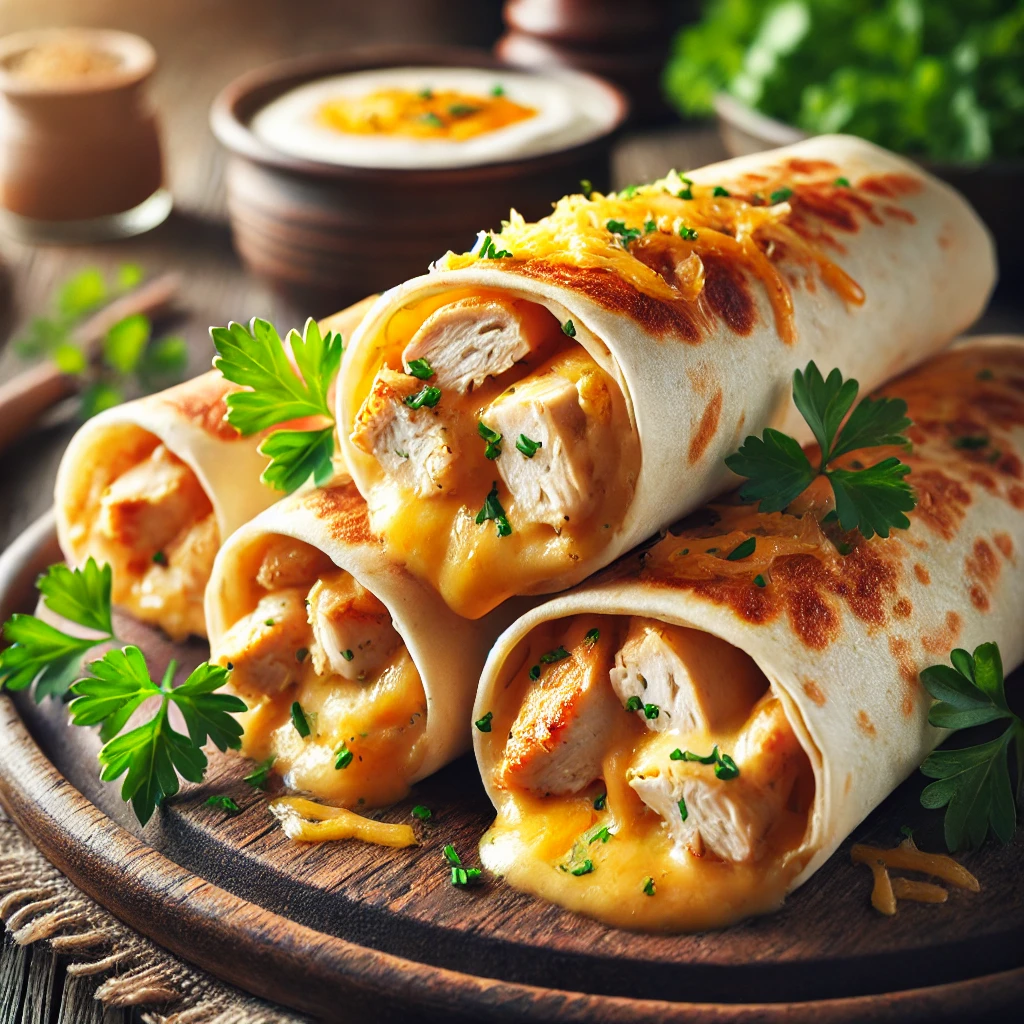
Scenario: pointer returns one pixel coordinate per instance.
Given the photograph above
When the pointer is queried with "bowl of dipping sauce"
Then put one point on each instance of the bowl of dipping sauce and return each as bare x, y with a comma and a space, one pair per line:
80, 152
348, 174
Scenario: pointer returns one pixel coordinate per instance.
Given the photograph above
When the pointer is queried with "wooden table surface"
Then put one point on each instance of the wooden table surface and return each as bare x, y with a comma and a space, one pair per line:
202, 45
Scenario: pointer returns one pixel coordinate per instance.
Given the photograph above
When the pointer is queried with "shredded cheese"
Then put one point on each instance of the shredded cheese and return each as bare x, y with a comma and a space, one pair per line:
310, 822
919, 892
907, 857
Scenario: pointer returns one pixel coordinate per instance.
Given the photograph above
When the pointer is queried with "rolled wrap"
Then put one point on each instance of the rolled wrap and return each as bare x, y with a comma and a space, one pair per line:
446, 651
840, 638
162, 555
698, 376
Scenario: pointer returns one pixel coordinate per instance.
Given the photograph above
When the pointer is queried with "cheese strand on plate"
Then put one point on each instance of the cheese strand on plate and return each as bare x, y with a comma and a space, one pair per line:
720, 726
358, 677
529, 411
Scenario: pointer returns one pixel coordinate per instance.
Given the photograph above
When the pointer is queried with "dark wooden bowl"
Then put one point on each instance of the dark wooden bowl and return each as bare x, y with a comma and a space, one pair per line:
327, 234
994, 189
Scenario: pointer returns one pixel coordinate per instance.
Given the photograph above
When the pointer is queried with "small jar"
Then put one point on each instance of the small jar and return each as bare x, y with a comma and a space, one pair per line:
79, 145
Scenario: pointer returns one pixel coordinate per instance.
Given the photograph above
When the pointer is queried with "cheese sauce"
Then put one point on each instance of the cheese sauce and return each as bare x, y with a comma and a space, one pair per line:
602, 851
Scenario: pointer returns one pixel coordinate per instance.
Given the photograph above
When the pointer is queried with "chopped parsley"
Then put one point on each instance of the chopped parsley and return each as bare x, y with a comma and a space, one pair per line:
780, 195
534, 672
268, 622
160, 558
634, 703
301, 654
431, 119
347, 654
842, 183
689, 234
259, 777
970, 442
492, 510
550, 657
628, 192
725, 767
759, 581
420, 369
569, 329
489, 252
719, 191
426, 94
426, 396
650, 226
600, 802
528, 447
602, 833
224, 803
651, 711
299, 720
463, 109
343, 757
649, 888
484, 724
451, 855
498, 90
626, 235
586, 187
422, 812
464, 877
582, 869
593, 635
493, 439
683, 812
742, 550
687, 192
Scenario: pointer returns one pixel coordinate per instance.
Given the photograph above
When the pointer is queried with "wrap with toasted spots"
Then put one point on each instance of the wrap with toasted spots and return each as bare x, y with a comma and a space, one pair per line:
839, 626
839, 252
305, 608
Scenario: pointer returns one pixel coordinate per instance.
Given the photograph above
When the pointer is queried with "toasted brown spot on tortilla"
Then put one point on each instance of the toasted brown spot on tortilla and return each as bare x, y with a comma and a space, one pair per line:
1005, 544
655, 316
813, 618
865, 723
813, 691
922, 573
891, 185
941, 502
902, 608
344, 511
979, 598
899, 648
900, 214
943, 639
848, 784
1016, 495
700, 378
982, 564
706, 428
202, 402
801, 165
728, 294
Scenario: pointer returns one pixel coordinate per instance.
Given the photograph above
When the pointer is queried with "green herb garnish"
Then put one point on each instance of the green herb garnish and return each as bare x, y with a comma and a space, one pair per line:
626, 235
973, 783
742, 550
299, 720
426, 396
592, 636
497, 90
687, 191
780, 195
649, 888
463, 109
301, 654
683, 812
600, 802
420, 369
489, 252
689, 234
842, 183
718, 191
970, 442
451, 855
347, 654
343, 757
431, 119
259, 777
586, 188
484, 724
871, 500
634, 703
225, 804
534, 672
528, 447
493, 439
725, 767
582, 869
256, 358
492, 510
422, 812
651, 711
759, 581
159, 558
569, 329
550, 657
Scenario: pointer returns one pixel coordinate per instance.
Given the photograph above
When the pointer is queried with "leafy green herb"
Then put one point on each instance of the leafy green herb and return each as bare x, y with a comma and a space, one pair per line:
431, 120
600, 802
973, 783
492, 438
422, 812
299, 720
451, 855
780, 195
420, 368
629, 192
426, 94
255, 358
592, 636
426, 396
725, 767
558, 654
225, 804
489, 252
343, 757
464, 877
492, 510
872, 500
634, 703
650, 226
683, 812
970, 442
497, 90
626, 235
842, 183
718, 191
586, 188
463, 109
651, 711
602, 834
301, 654
484, 724
534, 672
528, 447
260, 776
582, 869
759, 581
569, 329
687, 192
649, 888
690, 234
159, 558
742, 550
347, 654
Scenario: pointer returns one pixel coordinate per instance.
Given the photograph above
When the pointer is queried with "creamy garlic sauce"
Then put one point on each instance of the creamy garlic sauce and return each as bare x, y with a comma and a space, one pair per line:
374, 118
639, 879
437, 536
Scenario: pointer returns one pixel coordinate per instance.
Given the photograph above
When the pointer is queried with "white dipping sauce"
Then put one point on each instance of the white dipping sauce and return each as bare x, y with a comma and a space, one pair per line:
571, 109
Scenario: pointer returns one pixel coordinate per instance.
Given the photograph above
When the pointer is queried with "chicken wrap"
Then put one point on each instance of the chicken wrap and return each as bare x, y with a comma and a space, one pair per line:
510, 416
358, 677
707, 720
155, 485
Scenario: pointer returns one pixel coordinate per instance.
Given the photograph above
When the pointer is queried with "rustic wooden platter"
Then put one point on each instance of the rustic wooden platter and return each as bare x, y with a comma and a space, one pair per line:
338, 930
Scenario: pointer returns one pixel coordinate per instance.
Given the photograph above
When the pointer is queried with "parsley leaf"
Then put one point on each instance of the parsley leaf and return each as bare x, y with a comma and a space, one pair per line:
80, 595
297, 455
973, 783
872, 500
493, 510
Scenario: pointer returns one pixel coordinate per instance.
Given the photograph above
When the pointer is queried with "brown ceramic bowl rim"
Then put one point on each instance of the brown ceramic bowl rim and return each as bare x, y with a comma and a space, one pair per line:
137, 56
242, 98
774, 132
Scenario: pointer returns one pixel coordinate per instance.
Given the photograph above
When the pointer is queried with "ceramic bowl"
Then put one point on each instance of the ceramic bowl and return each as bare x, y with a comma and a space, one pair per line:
327, 234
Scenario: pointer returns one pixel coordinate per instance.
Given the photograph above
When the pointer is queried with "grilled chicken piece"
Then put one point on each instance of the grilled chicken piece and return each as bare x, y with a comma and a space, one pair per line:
291, 563
352, 631
152, 502
414, 446
470, 340
262, 647
558, 739
729, 817
699, 682
556, 484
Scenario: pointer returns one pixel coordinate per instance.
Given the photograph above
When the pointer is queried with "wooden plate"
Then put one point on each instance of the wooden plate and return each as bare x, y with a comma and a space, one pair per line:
352, 926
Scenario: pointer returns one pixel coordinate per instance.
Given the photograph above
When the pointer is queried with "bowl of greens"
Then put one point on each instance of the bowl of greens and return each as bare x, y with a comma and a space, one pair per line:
941, 81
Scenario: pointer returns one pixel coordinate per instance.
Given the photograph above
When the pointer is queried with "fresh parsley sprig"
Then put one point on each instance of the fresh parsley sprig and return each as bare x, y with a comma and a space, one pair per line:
872, 500
974, 784
255, 357
152, 755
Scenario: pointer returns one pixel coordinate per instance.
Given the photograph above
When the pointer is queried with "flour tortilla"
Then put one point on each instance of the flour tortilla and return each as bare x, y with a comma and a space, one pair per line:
924, 282
447, 650
853, 698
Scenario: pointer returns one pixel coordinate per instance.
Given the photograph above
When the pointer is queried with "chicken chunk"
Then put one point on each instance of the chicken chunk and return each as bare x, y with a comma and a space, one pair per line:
414, 446
152, 502
263, 647
698, 682
558, 739
729, 817
555, 484
352, 631
291, 563
470, 340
